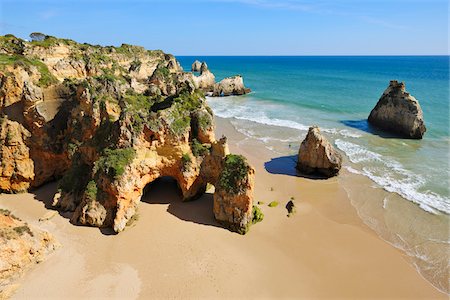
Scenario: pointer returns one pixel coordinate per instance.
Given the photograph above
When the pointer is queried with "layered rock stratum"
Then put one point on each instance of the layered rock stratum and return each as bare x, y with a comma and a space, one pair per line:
317, 156
398, 112
107, 121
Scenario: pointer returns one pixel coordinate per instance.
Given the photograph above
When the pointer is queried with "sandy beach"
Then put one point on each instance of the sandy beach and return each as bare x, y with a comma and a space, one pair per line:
177, 250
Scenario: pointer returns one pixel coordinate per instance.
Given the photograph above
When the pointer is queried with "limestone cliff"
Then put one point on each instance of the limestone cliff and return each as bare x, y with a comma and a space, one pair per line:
107, 121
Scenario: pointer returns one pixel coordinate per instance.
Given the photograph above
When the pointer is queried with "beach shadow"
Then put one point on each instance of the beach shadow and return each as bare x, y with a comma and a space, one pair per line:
45, 194
365, 126
165, 190
286, 165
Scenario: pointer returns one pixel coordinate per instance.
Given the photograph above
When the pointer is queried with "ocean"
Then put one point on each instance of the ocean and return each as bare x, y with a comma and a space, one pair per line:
289, 94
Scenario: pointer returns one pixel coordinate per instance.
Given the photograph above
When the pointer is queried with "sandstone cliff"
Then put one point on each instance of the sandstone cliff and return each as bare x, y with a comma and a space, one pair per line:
107, 121
398, 112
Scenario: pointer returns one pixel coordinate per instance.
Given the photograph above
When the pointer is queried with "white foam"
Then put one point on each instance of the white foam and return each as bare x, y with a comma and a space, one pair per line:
393, 177
232, 108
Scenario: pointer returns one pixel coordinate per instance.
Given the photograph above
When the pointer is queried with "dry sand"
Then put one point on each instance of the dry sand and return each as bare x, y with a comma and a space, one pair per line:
177, 250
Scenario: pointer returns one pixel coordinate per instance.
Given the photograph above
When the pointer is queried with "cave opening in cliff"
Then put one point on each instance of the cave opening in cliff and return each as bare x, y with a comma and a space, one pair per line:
163, 190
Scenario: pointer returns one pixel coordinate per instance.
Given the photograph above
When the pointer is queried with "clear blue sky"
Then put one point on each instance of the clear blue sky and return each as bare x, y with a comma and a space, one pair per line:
241, 27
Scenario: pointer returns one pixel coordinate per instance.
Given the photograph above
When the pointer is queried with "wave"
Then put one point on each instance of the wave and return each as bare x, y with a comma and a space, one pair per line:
393, 177
231, 110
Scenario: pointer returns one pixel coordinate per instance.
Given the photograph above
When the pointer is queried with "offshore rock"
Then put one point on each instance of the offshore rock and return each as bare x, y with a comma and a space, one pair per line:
398, 112
230, 86
317, 155
196, 66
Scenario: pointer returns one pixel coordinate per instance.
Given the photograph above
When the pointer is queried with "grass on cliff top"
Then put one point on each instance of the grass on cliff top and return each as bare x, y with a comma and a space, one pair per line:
12, 44
14, 60
113, 162
234, 174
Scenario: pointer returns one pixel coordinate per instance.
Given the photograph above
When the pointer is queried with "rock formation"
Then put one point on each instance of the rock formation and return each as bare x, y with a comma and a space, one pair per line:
196, 66
107, 121
317, 155
20, 247
234, 191
230, 86
206, 80
398, 112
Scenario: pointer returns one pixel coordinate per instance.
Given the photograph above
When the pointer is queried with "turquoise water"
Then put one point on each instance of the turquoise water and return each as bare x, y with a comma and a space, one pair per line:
338, 93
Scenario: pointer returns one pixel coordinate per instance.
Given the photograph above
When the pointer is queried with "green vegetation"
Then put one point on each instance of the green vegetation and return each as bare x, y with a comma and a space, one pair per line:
10, 44
20, 230
91, 190
260, 202
75, 179
198, 149
113, 162
257, 214
46, 77
186, 161
273, 204
135, 65
233, 178
183, 105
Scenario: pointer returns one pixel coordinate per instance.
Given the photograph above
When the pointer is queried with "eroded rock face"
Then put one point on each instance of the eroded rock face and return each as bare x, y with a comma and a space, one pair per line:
233, 203
230, 86
398, 112
20, 247
196, 66
16, 166
317, 155
124, 117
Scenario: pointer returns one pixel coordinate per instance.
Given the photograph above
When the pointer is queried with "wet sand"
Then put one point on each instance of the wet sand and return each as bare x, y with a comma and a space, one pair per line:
177, 250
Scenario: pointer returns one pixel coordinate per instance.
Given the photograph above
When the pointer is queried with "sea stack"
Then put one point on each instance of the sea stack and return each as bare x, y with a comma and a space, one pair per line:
317, 155
398, 112
196, 66
229, 86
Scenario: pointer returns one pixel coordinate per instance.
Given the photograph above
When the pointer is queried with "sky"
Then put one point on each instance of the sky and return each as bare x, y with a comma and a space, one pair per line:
241, 27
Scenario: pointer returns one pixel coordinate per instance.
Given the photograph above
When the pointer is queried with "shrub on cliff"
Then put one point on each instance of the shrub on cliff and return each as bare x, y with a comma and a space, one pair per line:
234, 174
113, 162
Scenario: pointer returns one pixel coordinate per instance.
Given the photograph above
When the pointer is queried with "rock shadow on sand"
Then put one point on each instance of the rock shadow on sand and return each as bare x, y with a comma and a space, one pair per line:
286, 165
165, 190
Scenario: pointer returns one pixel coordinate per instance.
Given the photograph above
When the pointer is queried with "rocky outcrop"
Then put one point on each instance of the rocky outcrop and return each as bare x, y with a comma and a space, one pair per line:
107, 121
20, 247
233, 203
206, 80
317, 156
196, 66
398, 112
16, 167
230, 86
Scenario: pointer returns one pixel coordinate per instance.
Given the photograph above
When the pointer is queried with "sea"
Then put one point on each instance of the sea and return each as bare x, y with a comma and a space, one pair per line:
409, 179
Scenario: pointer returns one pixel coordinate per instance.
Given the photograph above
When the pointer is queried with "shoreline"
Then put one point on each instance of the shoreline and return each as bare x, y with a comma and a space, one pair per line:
178, 250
